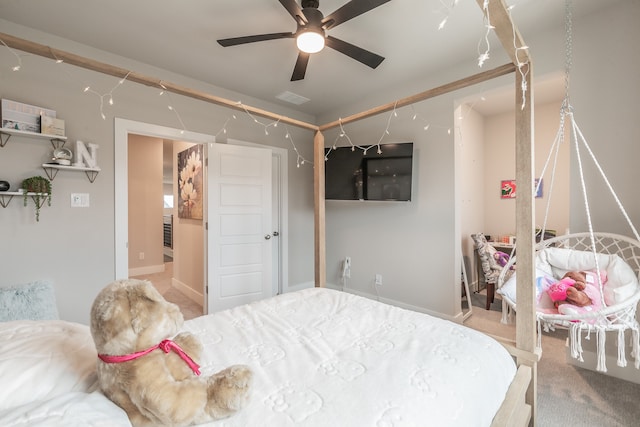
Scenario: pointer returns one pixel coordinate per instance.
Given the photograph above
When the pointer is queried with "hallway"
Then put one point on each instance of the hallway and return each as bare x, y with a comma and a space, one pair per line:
162, 282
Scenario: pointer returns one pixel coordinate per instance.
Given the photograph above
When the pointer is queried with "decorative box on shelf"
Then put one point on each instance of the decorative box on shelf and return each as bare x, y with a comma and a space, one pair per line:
52, 126
24, 117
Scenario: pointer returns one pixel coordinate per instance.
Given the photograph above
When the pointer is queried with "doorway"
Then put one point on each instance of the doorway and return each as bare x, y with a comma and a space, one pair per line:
484, 156
124, 128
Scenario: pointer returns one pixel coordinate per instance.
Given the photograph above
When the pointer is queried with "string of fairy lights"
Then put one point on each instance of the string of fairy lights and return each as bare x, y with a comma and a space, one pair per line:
446, 9
108, 95
18, 66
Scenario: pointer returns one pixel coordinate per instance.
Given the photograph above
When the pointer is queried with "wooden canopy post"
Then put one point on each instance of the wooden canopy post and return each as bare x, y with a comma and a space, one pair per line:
319, 211
526, 296
515, 47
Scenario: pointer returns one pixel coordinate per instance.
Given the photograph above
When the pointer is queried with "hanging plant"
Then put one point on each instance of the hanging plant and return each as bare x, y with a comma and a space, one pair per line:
40, 189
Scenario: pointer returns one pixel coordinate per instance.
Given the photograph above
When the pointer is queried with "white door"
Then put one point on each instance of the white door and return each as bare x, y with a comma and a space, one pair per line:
276, 249
240, 227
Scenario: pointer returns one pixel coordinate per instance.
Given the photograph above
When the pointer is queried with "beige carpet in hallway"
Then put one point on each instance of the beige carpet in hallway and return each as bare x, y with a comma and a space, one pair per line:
162, 282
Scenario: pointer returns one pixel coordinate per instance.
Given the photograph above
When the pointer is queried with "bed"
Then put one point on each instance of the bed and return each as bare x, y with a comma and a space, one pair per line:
320, 357
519, 405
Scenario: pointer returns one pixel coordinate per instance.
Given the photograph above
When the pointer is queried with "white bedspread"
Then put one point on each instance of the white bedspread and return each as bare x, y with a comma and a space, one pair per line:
320, 358
329, 358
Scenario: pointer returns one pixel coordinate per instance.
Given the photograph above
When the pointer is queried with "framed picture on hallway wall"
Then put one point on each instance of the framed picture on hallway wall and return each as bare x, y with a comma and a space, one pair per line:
190, 182
508, 188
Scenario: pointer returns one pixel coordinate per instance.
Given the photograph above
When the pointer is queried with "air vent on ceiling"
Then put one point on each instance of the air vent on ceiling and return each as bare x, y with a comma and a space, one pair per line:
292, 98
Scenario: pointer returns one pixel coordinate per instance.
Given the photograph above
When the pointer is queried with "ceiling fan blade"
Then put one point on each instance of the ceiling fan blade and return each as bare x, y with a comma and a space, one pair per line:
301, 66
257, 38
359, 54
294, 10
349, 11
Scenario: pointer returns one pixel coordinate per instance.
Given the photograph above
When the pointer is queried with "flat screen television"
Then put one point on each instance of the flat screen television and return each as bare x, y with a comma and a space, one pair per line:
352, 175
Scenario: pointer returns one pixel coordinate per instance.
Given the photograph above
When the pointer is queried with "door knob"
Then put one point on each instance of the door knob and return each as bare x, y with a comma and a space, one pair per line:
267, 237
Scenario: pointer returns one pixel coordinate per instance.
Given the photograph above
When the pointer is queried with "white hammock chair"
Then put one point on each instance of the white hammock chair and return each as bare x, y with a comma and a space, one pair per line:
619, 316
615, 314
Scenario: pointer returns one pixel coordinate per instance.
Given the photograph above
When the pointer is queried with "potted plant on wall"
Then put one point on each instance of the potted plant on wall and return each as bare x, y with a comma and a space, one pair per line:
39, 189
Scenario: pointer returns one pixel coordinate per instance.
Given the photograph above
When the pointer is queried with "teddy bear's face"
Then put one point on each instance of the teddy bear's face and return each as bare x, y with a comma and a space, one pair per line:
131, 315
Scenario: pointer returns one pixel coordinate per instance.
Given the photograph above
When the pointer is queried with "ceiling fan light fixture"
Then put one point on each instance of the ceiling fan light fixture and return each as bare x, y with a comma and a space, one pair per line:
310, 40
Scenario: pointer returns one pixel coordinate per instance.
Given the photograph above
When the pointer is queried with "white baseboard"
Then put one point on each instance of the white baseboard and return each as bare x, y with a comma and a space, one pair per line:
187, 291
299, 287
150, 269
394, 302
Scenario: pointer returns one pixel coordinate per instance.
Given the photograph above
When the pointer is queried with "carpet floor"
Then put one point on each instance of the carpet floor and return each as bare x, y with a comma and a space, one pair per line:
567, 395
162, 282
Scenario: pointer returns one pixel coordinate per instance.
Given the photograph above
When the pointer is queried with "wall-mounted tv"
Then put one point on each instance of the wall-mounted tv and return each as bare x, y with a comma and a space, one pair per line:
352, 175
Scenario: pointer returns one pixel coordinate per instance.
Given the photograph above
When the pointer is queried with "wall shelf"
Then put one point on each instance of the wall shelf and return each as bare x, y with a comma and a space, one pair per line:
7, 196
6, 133
51, 169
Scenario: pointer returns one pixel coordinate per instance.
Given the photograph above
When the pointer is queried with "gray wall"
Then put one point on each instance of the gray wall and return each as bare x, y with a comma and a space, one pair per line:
605, 89
74, 247
415, 246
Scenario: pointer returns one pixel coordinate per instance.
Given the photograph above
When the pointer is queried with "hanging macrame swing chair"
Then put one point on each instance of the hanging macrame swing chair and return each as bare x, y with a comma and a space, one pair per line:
614, 260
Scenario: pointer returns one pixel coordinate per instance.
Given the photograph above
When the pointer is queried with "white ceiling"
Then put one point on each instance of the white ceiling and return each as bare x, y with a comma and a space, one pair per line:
180, 36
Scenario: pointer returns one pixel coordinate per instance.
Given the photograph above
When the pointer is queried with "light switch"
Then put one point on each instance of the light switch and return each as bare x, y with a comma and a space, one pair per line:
79, 200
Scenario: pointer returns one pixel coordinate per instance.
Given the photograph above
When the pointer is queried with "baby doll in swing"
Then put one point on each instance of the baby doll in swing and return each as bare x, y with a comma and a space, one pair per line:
575, 293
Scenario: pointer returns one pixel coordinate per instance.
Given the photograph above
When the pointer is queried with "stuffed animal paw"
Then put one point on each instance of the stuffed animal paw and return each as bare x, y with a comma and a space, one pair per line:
228, 391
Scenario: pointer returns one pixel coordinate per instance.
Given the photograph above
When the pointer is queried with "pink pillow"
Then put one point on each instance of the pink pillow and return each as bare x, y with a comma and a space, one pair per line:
558, 290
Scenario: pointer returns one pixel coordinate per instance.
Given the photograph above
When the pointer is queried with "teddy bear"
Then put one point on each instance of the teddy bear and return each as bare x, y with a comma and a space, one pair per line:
571, 289
149, 369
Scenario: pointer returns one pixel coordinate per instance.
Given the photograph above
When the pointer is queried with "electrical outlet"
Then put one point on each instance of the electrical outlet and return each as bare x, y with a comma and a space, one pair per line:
346, 268
141, 255
379, 279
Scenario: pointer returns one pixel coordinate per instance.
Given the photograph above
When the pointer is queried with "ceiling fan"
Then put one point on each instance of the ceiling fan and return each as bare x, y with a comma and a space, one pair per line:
310, 35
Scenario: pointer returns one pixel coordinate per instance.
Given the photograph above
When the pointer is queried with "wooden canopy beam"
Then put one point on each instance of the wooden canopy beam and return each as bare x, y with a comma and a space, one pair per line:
500, 19
104, 68
431, 93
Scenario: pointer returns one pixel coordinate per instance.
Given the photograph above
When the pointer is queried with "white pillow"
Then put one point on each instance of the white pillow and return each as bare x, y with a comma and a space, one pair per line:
73, 409
43, 359
543, 280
